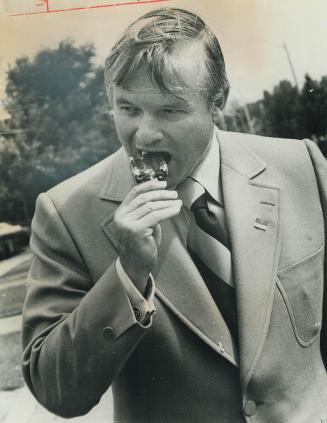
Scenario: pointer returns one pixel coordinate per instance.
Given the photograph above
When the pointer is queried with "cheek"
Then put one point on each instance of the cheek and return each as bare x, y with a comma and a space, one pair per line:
122, 127
198, 135
197, 127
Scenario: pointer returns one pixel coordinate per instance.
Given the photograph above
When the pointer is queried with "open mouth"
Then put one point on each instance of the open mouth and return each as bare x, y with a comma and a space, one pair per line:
147, 165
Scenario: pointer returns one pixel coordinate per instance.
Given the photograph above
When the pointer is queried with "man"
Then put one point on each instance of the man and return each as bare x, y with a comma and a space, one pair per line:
128, 285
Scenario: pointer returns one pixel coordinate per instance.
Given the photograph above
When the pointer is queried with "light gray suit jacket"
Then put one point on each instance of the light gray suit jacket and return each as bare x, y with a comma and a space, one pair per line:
80, 334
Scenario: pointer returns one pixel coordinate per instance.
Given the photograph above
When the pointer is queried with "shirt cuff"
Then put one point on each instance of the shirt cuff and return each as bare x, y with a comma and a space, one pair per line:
143, 306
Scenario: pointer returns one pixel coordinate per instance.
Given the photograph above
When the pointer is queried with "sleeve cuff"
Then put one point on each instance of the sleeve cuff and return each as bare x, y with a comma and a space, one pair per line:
143, 306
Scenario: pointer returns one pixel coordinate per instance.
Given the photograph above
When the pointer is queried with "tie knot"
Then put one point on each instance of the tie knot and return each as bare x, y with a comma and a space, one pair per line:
208, 220
201, 202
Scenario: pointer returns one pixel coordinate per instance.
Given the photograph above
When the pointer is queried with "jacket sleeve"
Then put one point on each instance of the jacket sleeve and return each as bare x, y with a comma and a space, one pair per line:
320, 167
77, 334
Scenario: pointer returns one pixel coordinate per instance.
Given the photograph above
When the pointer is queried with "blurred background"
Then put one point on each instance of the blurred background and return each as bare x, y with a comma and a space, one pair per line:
55, 120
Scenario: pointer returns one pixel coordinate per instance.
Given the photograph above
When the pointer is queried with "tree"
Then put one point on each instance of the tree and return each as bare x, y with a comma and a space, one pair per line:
314, 104
60, 124
283, 111
286, 112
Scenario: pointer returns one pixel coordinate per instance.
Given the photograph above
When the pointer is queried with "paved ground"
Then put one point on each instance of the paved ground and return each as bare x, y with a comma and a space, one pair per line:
18, 405
11, 263
10, 324
12, 283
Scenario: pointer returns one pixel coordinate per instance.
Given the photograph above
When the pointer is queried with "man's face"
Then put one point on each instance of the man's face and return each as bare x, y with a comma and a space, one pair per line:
149, 121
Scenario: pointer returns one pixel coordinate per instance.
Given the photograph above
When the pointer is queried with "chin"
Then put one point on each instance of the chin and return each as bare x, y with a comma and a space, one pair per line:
176, 174
171, 184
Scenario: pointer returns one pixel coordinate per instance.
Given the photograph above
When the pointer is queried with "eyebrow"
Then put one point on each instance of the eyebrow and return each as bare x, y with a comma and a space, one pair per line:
174, 102
121, 100
177, 101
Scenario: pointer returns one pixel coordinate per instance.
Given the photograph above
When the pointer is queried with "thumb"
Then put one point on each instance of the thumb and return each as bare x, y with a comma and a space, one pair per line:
157, 234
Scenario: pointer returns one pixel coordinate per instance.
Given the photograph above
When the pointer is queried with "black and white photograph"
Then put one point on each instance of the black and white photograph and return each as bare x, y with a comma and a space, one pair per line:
163, 211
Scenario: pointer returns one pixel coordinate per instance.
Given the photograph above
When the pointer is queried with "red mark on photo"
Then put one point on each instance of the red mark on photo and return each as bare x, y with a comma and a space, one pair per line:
45, 3
13, 7
35, 7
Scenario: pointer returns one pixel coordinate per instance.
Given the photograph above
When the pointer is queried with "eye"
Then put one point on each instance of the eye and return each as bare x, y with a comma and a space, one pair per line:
129, 109
171, 110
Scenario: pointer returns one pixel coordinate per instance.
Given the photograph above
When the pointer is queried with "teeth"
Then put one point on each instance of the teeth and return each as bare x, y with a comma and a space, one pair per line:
139, 154
142, 154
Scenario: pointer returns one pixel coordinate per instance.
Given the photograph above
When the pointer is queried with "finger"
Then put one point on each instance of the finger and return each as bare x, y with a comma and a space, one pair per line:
152, 185
148, 197
152, 206
152, 219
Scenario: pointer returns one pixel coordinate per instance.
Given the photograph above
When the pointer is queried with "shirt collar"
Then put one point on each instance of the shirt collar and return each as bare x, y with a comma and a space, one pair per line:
206, 174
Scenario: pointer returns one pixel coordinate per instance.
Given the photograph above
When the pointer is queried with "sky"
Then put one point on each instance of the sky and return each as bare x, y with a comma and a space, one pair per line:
251, 33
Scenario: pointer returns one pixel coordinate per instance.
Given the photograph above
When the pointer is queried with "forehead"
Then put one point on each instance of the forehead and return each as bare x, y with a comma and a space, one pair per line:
143, 90
182, 64
183, 74
189, 60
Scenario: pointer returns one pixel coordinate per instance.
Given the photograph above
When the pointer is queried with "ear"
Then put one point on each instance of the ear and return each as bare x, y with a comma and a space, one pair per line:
215, 111
217, 114
217, 105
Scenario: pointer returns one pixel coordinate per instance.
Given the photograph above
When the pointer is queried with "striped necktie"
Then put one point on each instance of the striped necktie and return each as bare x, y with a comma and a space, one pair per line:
207, 220
208, 245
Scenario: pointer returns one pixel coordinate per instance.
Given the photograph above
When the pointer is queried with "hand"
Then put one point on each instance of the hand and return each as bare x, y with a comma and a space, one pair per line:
137, 227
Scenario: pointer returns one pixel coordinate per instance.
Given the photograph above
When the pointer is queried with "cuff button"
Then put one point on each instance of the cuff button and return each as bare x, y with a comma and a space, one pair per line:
108, 333
250, 408
137, 313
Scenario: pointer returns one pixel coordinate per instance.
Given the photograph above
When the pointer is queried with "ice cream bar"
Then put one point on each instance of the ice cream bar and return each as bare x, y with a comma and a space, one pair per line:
148, 166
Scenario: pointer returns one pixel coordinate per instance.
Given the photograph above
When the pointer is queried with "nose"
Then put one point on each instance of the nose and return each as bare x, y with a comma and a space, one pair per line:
148, 132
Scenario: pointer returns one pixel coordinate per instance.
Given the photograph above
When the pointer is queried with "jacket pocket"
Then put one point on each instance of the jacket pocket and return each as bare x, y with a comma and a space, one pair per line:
301, 286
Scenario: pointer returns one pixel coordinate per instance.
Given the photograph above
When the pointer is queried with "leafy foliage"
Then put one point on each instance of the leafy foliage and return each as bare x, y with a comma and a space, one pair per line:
60, 124
286, 112
314, 106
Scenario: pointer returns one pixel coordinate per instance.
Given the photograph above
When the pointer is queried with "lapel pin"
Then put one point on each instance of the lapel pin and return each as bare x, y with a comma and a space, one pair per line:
261, 224
267, 203
221, 348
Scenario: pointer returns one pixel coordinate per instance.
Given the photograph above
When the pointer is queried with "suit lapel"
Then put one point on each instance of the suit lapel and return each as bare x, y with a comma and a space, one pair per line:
252, 208
181, 287
178, 282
